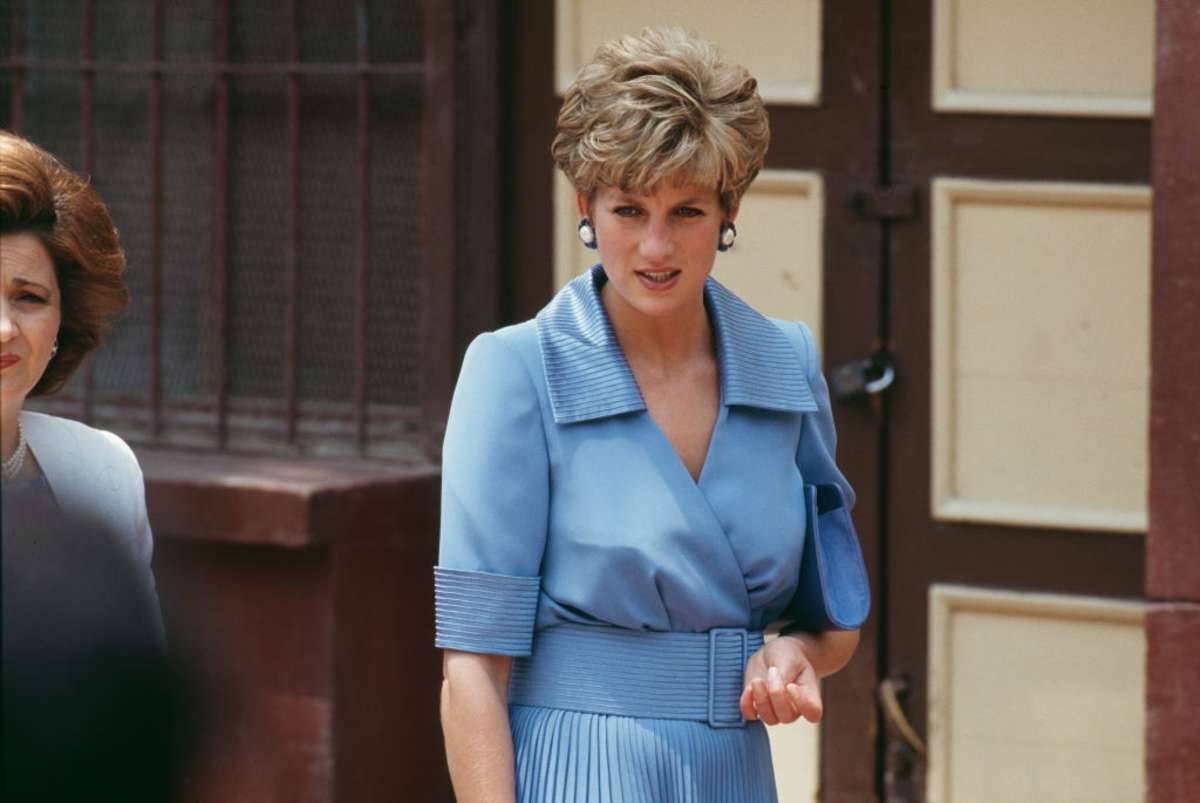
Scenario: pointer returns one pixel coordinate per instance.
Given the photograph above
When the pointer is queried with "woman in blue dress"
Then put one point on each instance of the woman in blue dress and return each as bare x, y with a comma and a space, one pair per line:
623, 507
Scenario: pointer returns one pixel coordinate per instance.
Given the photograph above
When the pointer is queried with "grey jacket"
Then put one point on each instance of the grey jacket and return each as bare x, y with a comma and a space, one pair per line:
94, 475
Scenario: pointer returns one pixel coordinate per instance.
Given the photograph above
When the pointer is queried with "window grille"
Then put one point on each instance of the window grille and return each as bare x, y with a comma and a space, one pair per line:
278, 172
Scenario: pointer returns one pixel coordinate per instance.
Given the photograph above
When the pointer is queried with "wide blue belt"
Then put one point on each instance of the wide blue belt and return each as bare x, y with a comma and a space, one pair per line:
635, 673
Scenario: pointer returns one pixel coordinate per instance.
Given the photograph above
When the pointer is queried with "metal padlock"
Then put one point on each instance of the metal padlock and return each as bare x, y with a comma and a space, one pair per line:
861, 378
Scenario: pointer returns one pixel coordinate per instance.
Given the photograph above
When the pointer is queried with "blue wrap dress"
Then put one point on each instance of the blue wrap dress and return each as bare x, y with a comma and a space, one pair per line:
564, 503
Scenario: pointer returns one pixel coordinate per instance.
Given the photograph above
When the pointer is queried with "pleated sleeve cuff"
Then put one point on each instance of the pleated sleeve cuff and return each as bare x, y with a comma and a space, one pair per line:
484, 612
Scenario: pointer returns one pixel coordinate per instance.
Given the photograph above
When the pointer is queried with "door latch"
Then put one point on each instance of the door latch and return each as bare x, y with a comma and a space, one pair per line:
861, 378
905, 749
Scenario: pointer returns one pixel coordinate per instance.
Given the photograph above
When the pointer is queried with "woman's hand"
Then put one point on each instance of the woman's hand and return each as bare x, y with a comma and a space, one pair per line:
782, 678
781, 684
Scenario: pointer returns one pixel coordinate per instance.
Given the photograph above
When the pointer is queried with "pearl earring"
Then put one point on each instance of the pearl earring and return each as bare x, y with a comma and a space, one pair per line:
587, 235
728, 235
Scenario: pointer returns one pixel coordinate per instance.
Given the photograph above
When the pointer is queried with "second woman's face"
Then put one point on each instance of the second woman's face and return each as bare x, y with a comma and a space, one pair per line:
30, 312
657, 249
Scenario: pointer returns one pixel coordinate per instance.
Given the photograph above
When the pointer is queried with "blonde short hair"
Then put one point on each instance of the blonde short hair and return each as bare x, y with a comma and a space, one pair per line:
662, 104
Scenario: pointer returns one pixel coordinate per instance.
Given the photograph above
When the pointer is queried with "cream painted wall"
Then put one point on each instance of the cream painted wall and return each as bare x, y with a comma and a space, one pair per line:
779, 41
1093, 57
1034, 697
1041, 353
776, 265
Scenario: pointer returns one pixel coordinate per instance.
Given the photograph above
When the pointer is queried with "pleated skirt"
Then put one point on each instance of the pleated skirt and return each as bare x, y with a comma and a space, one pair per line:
573, 757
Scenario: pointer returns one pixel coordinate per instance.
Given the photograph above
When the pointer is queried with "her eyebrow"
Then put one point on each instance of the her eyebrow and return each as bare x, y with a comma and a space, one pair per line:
632, 201
29, 283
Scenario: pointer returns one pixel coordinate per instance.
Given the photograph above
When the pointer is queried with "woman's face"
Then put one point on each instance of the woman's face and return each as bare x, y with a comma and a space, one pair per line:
30, 312
656, 249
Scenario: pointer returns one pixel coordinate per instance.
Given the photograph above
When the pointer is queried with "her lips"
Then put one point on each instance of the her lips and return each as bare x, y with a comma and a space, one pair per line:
8, 360
658, 276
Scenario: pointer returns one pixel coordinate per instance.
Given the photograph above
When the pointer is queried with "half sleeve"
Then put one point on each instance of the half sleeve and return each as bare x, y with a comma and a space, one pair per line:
495, 506
816, 453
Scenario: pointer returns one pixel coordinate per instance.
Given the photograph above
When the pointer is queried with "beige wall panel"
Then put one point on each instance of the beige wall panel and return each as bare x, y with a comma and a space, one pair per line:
779, 41
570, 257
775, 265
1093, 57
795, 752
1034, 697
1041, 353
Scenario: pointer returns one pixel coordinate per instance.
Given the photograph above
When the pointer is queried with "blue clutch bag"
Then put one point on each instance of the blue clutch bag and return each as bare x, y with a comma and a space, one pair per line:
834, 592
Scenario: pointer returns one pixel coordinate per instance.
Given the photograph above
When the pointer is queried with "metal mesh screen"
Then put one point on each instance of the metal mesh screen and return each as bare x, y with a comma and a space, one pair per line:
227, 175
120, 171
188, 282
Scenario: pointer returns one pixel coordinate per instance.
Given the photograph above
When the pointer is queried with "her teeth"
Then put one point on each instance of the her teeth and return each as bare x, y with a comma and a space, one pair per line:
659, 277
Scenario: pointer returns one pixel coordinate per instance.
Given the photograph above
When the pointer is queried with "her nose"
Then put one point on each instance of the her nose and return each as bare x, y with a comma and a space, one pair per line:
656, 244
8, 327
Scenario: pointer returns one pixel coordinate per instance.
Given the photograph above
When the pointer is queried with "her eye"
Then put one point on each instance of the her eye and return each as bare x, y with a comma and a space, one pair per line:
31, 297
689, 211
625, 211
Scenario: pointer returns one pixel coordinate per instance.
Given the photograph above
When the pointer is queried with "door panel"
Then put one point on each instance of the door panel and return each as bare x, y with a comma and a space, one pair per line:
1033, 357
779, 41
1016, 453
1034, 697
1066, 57
1004, 268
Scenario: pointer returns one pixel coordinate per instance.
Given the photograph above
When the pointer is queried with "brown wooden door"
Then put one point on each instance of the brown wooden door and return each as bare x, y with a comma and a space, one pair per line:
878, 145
1027, 160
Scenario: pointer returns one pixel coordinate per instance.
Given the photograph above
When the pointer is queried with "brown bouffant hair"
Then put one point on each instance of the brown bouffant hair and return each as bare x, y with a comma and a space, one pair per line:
662, 104
41, 196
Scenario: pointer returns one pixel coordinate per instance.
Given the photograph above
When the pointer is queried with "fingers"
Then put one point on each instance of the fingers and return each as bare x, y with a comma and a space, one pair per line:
746, 703
780, 694
805, 695
775, 702
762, 702
781, 700
756, 667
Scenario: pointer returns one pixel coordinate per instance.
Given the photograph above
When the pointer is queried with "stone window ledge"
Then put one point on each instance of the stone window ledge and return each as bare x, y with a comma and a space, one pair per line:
293, 503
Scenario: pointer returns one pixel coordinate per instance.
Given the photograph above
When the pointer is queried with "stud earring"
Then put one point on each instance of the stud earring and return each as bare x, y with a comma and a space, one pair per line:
728, 235
54, 349
587, 235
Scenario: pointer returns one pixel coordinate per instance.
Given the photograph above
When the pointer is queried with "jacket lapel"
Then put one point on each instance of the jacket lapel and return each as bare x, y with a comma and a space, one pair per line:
62, 459
760, 367
586, 373
587, 376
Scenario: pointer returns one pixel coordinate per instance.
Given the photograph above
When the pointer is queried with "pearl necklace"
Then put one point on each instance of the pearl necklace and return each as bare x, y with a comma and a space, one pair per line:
12, 466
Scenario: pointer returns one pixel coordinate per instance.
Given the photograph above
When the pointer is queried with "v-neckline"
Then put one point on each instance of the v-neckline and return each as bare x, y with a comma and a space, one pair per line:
697, 481
721, 406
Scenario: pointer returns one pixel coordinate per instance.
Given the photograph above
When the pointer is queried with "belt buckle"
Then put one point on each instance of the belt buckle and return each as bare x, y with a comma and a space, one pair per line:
713, 635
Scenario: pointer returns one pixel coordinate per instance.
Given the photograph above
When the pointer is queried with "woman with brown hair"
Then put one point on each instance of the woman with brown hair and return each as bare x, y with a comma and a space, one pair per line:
630, 479
60, 285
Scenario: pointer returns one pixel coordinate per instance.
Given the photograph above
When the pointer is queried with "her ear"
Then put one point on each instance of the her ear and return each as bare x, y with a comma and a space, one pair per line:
582, 202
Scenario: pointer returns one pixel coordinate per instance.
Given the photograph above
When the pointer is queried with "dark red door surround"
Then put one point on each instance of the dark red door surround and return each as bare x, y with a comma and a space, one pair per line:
1173, 541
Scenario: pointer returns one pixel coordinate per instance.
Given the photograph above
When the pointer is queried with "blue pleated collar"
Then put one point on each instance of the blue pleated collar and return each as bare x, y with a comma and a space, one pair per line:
588, 377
